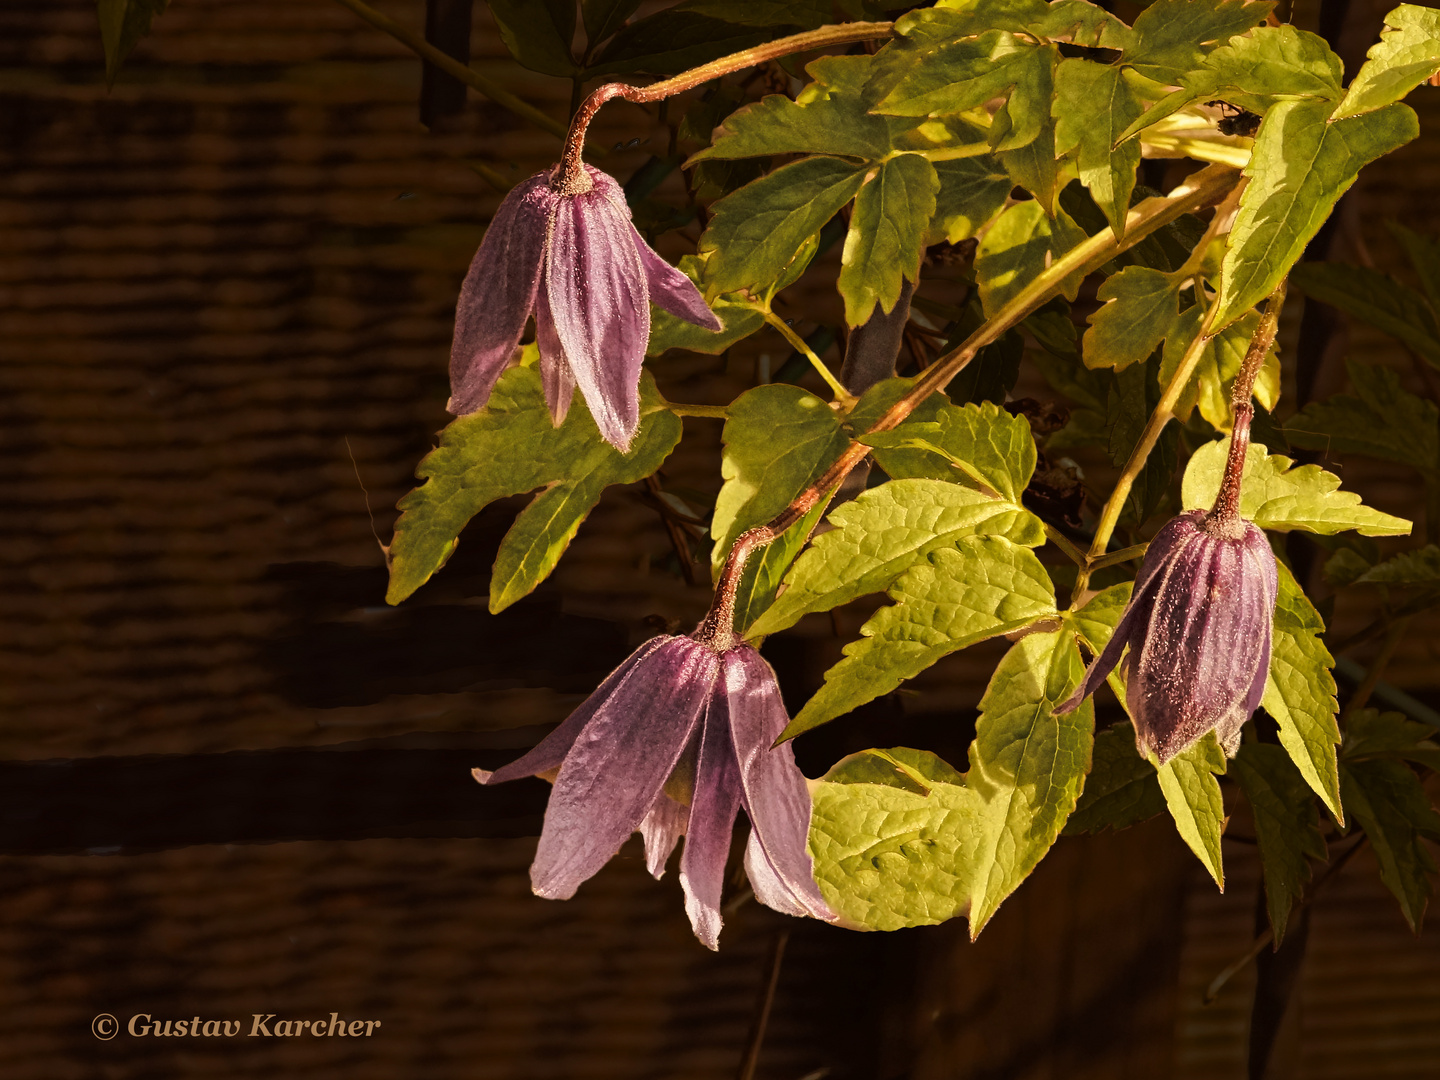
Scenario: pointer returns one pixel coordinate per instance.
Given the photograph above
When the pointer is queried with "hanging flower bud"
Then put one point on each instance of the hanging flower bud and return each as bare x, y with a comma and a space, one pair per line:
573, 259
673, 743
1198, 631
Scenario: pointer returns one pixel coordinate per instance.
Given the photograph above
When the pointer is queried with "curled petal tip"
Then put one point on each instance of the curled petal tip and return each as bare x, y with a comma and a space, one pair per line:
482, 776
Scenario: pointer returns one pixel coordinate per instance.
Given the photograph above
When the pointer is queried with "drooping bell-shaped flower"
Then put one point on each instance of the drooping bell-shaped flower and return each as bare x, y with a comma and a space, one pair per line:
1195, 635
675, 742
575, 262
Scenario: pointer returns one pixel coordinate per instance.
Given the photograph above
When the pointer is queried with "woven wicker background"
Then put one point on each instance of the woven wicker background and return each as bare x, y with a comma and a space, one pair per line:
226, 288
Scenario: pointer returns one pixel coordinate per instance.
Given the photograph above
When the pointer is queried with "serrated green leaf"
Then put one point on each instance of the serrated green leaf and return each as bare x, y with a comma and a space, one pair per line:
1287, 827
1140, 307
1095, 622
603, 17
1220, 358
1039, 170
538, 33
1271, 63
1097, 106
1169, 36
778, 438
122, 24
756, 232
1407, 54
1192, 795
1376, 298
1019, 247
1424, 256
1383, 420
972, 192
1300, 165
1370, 733
888, 856
1122, 788
507, 448
1390, 804
1418, 567
827, 117
739, 318
983, 587
928, 72
883, 533
977, 445
1277, 495
887, 235
1300, 692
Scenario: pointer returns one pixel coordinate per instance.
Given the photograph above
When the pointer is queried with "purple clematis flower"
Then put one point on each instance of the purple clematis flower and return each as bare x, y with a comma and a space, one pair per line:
1198, 627
577, 263
675, 742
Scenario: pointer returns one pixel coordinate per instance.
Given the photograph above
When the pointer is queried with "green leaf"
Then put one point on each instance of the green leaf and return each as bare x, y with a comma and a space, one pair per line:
983, 587
1424, 256
1407, 54
538, 33
1220, 358
778, 438
981, 445
603, 17
883, 533
1383, 421
1269, 64
1300, 691
887, 235
1193, 798
739, 317
1122, 788
1019, 247
1370, 733
1098, 105
1035, 168
1389, 802
122, 24
1095, 622
1376, 298
1418, 567
1169, 36
972, 192
902, 841
1287, 827
507, 448
1141, 305
756, 232
827, 117
1300, 165
956, 76
1276, 495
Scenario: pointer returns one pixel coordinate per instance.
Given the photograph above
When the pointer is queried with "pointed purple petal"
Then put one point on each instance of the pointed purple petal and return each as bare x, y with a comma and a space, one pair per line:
555, 374
498, 293
548, 754
596, 287
712, 822
766, 883
772, 787
661, 830
619, 763
672, 290
1135, 619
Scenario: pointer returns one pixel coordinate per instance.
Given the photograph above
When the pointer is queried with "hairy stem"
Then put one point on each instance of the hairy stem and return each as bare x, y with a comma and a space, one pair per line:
570, 178
469, 76
1224, 517
718, 412
1165, 407
842, 395
1205, 188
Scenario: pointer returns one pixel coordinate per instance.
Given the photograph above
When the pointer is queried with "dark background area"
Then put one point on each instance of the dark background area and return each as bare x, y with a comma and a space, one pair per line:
233, 781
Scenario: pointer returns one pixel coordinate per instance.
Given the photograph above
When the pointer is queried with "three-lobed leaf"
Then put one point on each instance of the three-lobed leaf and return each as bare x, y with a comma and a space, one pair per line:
1276, 494
1098, 106
980, 445
507, 448
1407, 54
1140, 306
887, 235
1018, 248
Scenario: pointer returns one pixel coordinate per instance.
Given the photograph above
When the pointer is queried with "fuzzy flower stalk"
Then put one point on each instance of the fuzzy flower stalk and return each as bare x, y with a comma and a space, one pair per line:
1196, 636
676, 742
563, 248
